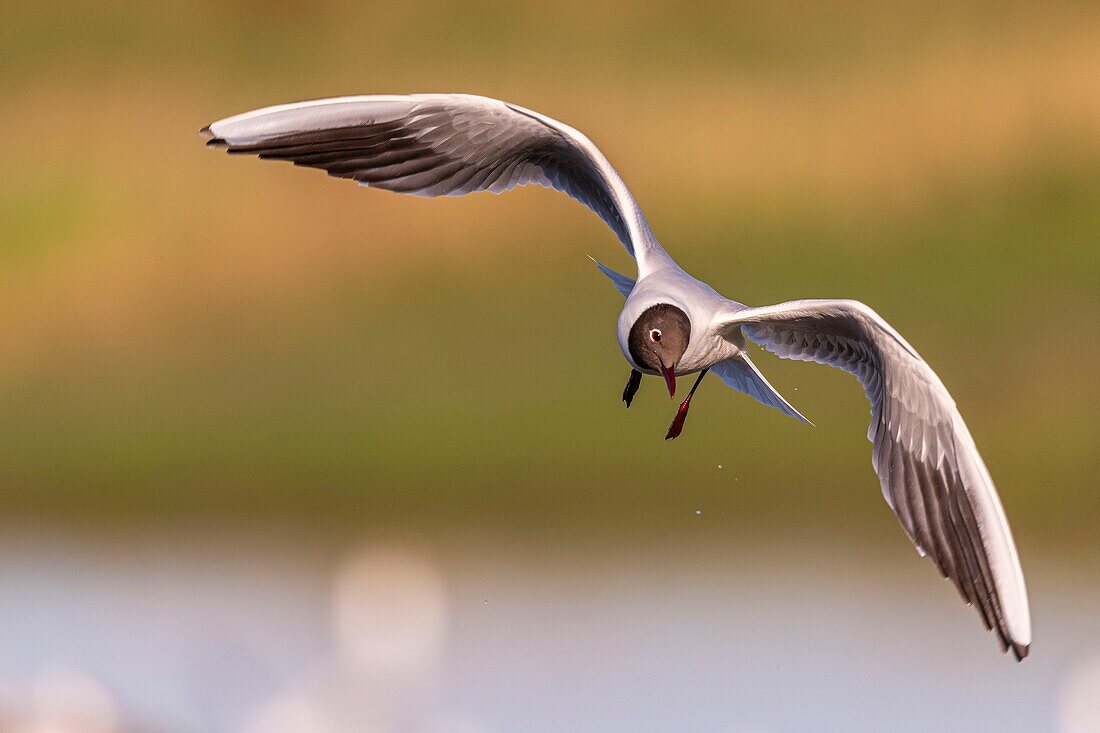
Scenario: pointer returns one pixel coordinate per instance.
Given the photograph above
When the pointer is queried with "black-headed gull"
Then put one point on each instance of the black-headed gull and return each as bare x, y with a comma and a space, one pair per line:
672, 324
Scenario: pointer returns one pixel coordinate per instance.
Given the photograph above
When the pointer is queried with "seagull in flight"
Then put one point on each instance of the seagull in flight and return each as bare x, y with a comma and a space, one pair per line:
672, 324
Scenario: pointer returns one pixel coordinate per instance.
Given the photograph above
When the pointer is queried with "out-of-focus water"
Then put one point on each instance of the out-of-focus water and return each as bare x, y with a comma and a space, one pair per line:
265, 630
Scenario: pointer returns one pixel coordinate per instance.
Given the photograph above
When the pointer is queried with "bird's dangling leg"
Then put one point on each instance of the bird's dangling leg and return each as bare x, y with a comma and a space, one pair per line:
677, 425
632, 386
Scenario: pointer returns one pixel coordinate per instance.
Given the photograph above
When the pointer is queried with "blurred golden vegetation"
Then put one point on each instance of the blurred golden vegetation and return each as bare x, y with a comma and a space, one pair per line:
183, 333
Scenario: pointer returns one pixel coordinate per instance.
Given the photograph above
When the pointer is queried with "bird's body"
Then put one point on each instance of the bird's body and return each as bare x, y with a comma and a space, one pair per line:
702, 303
673, 324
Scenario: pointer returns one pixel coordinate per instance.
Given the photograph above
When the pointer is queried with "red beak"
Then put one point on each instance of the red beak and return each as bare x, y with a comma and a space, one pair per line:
670, 379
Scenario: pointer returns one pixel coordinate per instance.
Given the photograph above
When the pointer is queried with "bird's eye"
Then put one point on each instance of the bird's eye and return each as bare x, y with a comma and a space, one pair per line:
655, 335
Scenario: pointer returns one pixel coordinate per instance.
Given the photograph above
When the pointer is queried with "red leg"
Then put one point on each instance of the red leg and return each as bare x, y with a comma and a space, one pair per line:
677, 425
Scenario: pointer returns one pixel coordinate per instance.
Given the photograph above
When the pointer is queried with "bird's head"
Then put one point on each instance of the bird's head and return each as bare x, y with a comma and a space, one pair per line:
658, 339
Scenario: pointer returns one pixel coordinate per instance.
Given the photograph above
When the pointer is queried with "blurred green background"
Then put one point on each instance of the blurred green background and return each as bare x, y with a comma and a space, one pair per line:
182, 333
198, 341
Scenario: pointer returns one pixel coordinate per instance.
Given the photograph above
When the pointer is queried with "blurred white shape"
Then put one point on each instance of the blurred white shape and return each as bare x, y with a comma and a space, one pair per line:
390, 611
290, 714
64, 700
1079, 700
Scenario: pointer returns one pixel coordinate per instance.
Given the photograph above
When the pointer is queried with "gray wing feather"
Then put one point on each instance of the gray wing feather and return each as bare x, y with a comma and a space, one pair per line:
621, 282
931, 472
440, 145
742, 375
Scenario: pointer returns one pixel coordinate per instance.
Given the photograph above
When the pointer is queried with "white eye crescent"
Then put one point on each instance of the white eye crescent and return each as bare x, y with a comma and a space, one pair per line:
655, 335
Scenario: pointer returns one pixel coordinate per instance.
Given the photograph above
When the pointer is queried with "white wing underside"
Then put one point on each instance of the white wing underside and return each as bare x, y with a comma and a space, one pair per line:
931, 473
443, 145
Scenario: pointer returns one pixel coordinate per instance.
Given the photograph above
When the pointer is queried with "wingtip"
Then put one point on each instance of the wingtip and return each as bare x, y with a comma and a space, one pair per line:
212, 140
791, 410
1008, 644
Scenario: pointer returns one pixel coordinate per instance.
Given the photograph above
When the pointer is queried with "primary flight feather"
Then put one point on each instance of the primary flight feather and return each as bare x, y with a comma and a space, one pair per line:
673, 324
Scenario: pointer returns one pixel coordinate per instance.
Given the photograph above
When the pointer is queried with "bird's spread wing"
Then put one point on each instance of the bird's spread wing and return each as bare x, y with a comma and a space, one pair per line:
931, 473
441, 144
